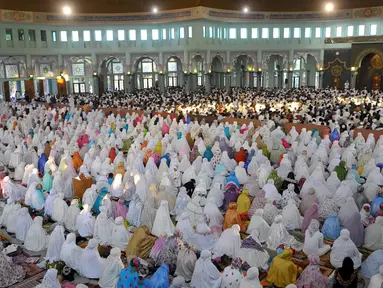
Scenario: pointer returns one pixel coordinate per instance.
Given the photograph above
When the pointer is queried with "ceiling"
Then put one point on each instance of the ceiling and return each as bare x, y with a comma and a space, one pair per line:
129, 6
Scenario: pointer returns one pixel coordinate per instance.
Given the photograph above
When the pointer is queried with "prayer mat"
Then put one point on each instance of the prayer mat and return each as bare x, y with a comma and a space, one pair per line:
31, 269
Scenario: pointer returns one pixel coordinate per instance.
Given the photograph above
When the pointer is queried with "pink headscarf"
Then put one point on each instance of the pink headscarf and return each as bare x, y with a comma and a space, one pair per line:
311, 213
121, 210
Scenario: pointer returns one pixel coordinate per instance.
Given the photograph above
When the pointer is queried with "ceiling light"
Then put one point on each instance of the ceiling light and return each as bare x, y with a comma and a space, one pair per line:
245, 10
155, 10
67, 10
329, 7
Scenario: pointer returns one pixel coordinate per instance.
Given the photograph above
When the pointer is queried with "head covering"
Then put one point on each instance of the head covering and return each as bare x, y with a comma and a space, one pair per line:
331, 227
56, 240
282, 270
311, 213
50, 280
344, 247
111, 269
312, 276
36, 239
251, 280
205, 273
160, 278
70, 252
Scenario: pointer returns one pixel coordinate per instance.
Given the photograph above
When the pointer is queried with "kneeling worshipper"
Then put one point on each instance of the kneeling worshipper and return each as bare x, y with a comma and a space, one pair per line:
48, 206
185, 226
258, 223
23, 223
252, 251
186, 260
129, 277
205, 274
12, 218
59, 209
312, 276
178, 282
162, 222
56, 241
50, 280
282, 270
204, 238
90, 196
270, 211
331, 227
310, 214
141, 243
9, 272
8, 210
243, 202
346, 276
252, 279
91, 263
85, 222
37, 238
12, 190
111, 269
365, 213
103, 227
278, 235
232, 276
70, 252
228, 243
377, 279
232, 217
37, 199
72, 213
344, 247
120, 235
160, 278
373, 235
314, 240
371, 265
292, 219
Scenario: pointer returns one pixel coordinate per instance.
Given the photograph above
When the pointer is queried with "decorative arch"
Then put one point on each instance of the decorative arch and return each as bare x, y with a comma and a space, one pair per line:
15, 63
45, 66
173, 70
364, 53
217, 64
146, 72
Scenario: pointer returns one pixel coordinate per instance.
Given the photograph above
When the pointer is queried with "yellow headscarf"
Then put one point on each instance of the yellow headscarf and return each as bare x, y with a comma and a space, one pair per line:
158, 148
282, 271
243, 202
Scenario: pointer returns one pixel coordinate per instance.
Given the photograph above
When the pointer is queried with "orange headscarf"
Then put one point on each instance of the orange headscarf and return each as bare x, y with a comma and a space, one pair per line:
147, 156
77, 162
233, 217
112, 154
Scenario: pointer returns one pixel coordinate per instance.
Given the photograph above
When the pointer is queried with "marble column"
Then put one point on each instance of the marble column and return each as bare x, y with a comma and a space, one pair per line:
96, 83
353, 79
259, 80
161, 82
187, 83
227, 80
290, 79
207, 83
193, 82
321, 79
251, 79
245, 79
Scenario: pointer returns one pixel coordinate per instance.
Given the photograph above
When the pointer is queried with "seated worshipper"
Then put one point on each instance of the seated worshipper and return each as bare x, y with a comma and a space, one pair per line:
178, 282
376, 204
360, 198
129, 277
232, 276
50, 280
59, 209
119, 209
243, 202
90, 196
186, 260
204, 238
205, 273
259, 202
7, 210
99, 200
308, 200
241, 174
76, 160
111, 270
282, 270
23, 223
157, 248
12, 190
10, 273
181, 203
12, 218
36, 239
344, 247
258, 223
91, 263
288, 194
56, 241
292, 219
312, 276
231, 191
252, 279
346, 276
164, 195
19, 172
278, 235
141, 243
162, 222
120, 235
134, 213
347, 210
72, 213
327, 206
232, 217
82, 182
160, 278
252, 251
185, 226
117, 187
341, 171
213, 215
270, 211
48, 206
103, 227
377, 279
228, 243
37, 199
380, 211
373, 235
331, 227
85, 222
70, 252
314, 240
371, 265
47, 180
311, 213
271, 191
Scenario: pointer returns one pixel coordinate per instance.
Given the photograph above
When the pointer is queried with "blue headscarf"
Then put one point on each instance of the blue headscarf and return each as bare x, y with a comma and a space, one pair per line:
331, 227
227, 132
233, 178
375, 204
179, 135
208, 153
41, 163
160, 278
371, 265
167, 158
334, 135
98, 203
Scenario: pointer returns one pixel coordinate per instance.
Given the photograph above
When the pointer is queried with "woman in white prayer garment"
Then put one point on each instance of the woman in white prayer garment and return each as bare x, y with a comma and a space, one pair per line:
27, 173
111, 269
23, 223
341, 194
120, 235
85, 222
278, 235
103, 227
344, 247
91, 263
59, 209
117, 187
19, 172
252, 251
162, 222
205, 274
185, 226
204, 238
70, 252
90, 196
12, 190
56, 241
347, 211
292, 219
252, 279
228, 243
258, 223
377, 279
8, 210
34, 177
50, 280
271, 191
37, 238
72, 213
314, 240
373, 235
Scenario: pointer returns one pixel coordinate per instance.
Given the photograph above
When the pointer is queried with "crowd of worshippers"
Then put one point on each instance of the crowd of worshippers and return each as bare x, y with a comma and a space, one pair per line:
139, 201
350, 108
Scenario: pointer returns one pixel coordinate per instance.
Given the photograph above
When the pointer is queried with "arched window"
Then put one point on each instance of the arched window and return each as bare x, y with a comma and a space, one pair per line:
172, 72
146, 76
115, 75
